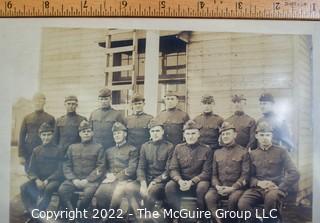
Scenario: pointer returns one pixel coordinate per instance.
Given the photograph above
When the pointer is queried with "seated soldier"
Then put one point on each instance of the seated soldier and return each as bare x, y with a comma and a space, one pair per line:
153, 166
81, 169
272, 173
230, 172
120, 168
44, 172
190, 169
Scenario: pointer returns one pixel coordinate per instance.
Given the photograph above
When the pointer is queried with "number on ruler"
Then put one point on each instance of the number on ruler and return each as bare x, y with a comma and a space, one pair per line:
46, 4
202, 4
124, 3
276, 5
162, 4
85, 4
239, 5
9, 5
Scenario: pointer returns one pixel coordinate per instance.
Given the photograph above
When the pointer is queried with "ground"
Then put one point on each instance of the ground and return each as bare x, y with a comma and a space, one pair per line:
291, 213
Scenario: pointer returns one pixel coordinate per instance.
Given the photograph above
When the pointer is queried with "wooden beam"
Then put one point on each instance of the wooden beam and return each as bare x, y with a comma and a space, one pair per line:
119, 49
119, 68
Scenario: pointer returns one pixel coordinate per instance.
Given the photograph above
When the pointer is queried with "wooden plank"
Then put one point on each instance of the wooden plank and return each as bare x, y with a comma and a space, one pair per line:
119, 49
121, 87
118, 31
119, 68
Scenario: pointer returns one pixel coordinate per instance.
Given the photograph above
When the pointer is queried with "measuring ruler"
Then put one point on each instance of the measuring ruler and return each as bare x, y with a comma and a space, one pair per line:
241, 9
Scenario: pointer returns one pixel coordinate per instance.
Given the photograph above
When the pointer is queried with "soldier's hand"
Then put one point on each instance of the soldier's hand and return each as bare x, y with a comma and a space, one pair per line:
45, 182
143, 189
77, 183
84, 183
264, 184
111, 177
227, 190
39, 184
22, 161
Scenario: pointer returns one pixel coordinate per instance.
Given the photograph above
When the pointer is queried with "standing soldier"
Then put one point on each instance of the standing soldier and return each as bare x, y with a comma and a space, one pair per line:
244, 124
173, 118
153, 167
209, 123
103, 118
190, 169
281, 136
82, 169
29, 135
272, 174
44, 172
120, 167
230, 172
137, 123
66, 132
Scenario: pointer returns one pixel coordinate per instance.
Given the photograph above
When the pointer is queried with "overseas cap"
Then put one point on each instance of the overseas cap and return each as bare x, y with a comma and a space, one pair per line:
71, 98
266, 97
237, 98
226, 126
118, 126
39, 96
84, 125
191, 125
136, 98
105, 92
207, 99
171, 93
45, 127
264, 127
154, 123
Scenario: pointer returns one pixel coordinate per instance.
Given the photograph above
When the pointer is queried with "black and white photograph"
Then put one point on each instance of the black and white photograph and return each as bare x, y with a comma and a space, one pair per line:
112, 124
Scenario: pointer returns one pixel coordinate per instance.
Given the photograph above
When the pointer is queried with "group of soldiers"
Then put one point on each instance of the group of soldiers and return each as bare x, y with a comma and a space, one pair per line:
157, 160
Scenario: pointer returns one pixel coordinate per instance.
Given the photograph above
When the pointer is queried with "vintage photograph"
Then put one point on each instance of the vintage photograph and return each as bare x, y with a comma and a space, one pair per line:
132, 125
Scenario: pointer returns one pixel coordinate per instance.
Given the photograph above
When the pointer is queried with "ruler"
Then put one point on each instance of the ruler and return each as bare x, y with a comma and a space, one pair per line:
240, 9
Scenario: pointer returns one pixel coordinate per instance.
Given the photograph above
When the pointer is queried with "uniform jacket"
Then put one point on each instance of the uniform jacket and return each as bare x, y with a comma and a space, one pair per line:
29, 135
173, 120
154, 161
191, 162
84, 161
231, 166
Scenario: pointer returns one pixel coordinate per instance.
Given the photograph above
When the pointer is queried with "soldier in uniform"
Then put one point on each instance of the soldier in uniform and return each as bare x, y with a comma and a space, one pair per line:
230, 172
244, 124
137, 123
120, 167
190, 169
272, 173
66, 131
29, 135
173, 118
82, 169
281, 136
103, 118
209, 123
152, 172
44, 172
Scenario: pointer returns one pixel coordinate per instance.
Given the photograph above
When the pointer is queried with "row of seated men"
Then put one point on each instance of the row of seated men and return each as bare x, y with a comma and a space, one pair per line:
160, 172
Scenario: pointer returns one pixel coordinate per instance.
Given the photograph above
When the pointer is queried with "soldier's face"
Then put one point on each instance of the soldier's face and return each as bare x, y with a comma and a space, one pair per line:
46, 137
104, 102
171, 101
264, 138
71, 106
119, 136
191, 135
239, 105
266, 106
38, 104
207, 108
228, 136
138, 106
86, 135
156, 133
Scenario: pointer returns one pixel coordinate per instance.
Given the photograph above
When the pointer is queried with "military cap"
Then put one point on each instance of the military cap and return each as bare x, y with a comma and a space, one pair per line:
45, 127
154, 123
266, 97
105, 92
171, 93
226, 126
84, 125
118, 126
264, 127
71, 98
237, 98
136, 98
207, 99
39, 96
191, 125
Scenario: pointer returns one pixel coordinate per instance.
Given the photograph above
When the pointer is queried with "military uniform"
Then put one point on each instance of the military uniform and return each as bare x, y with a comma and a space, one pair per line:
231, 167
173, 121
189, 162
272, 164
29, 136
245, 128
83, 161
120, 160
